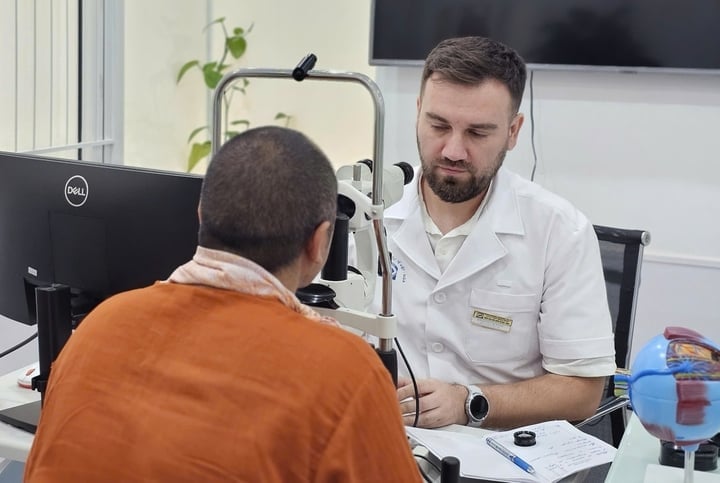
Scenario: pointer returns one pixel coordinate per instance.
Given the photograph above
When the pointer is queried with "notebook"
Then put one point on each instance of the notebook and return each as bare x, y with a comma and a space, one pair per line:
24, 417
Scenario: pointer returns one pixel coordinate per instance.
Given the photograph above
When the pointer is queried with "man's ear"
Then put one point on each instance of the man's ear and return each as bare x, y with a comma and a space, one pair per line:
319, 244
515, 126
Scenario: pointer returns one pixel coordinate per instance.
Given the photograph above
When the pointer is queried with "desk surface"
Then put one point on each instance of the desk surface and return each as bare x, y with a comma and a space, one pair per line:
14, 443
637, 450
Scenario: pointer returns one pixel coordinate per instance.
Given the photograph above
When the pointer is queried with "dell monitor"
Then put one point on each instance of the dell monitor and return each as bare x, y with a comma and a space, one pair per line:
74, 233
97, 228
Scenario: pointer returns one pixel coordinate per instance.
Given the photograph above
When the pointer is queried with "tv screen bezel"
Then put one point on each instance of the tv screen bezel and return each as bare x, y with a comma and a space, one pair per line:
385, 62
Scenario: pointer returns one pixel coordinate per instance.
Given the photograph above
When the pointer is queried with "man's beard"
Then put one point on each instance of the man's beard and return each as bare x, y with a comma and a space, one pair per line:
451, 189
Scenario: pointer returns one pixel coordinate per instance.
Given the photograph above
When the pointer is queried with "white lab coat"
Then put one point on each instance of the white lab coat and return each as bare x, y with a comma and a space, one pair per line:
533, 259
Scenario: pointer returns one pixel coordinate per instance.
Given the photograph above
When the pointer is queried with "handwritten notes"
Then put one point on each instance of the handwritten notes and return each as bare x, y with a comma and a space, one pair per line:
560, 450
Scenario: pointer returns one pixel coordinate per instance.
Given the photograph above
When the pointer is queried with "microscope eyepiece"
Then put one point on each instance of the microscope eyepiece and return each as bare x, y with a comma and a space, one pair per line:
408, 171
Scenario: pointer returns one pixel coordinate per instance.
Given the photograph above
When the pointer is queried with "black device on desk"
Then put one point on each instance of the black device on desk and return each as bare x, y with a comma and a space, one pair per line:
75, 233
706, 456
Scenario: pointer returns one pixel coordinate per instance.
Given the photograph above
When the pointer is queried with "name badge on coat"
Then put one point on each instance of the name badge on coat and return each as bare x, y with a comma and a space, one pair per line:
491, 321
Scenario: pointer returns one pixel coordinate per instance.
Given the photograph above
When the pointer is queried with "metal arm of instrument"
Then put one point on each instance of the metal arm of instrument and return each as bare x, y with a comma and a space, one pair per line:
375, 212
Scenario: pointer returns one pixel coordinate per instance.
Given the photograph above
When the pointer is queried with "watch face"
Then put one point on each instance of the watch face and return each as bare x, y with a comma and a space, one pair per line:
478, 407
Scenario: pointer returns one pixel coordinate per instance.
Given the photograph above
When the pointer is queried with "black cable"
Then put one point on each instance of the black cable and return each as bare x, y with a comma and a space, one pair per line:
422, 457
532, 125
17, 346
414, 383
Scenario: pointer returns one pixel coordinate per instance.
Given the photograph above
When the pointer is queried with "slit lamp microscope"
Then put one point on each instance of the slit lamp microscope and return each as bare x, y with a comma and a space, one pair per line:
365, 189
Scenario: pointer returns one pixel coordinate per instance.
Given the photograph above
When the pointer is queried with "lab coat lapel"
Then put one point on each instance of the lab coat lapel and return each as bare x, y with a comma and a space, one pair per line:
410, 237
483, 247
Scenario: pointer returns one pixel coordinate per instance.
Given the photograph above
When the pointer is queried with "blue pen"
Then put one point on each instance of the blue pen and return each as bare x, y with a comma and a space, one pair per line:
510, 455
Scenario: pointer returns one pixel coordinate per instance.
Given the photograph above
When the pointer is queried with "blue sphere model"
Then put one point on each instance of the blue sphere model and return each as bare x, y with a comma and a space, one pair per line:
674, 387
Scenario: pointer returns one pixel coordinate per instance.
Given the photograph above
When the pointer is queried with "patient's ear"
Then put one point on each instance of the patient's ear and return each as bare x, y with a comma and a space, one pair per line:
318, 246
315, 253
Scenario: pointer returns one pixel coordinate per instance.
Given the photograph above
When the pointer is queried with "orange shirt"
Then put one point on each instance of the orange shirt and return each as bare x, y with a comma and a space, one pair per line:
175, 383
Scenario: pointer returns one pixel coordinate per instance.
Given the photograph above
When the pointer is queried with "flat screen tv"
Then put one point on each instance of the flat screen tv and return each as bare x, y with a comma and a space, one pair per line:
673, 35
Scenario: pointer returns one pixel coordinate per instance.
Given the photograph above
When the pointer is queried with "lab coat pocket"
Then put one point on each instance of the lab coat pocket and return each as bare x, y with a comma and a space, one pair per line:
501, 326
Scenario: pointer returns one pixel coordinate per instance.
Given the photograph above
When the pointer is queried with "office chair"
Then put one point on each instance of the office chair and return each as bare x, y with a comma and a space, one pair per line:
621, 251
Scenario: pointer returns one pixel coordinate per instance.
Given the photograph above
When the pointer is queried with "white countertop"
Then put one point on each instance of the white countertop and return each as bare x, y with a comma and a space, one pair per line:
637, 450
14, 443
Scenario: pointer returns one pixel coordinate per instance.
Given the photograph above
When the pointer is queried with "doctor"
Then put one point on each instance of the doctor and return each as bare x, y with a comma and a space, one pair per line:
497, 283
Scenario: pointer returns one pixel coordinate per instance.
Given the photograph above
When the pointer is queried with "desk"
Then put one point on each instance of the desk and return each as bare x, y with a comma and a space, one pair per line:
434, 475
430, 469
638, 449
14, 443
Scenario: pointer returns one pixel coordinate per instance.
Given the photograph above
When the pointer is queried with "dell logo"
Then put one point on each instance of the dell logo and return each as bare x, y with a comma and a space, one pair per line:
76, 191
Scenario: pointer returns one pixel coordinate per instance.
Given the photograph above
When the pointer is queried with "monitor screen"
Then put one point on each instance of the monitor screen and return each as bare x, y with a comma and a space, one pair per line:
651, 34
98, 228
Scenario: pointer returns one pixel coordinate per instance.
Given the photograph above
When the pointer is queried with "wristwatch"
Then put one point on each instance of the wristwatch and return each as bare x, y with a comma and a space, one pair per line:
476, 406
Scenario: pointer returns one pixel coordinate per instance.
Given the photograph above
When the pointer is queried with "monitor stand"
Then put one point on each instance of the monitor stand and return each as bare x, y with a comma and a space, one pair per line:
54, 323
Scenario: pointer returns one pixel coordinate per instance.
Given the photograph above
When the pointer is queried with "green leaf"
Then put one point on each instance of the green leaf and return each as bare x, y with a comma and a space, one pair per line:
244, 122
211, 74
195, 132
197, 153
282, 115
185, 68
238, 30
217, 20
237, 45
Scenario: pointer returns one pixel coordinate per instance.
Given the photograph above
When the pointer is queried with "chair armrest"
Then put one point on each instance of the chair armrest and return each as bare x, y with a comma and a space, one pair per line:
611, 405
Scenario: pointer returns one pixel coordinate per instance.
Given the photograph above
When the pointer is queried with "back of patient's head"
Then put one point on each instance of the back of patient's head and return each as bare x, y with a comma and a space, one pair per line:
264, 193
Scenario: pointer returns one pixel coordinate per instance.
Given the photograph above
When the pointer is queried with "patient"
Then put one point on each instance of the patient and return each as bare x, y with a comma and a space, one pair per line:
219, 373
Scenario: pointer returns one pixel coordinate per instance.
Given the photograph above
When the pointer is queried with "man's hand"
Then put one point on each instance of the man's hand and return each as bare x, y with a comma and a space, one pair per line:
441, 403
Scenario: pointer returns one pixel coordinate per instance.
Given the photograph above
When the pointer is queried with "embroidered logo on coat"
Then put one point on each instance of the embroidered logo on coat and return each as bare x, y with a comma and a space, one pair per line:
398, 268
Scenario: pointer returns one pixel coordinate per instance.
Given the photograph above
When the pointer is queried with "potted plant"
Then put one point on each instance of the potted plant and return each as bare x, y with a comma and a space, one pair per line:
234, 47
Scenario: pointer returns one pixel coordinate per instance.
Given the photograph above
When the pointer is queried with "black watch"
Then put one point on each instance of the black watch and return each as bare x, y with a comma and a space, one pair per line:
476, 406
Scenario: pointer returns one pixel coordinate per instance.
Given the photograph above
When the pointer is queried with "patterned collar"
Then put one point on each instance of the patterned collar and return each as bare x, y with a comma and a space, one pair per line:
220, 269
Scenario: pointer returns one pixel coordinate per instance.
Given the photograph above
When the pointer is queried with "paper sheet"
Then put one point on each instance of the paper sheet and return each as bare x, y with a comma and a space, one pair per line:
560, 451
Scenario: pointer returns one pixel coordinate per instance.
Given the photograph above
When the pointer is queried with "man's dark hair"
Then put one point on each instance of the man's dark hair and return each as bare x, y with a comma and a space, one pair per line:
265, 192
473, 60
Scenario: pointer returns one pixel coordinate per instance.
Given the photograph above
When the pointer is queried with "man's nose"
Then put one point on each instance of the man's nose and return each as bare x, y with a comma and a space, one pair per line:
454, 148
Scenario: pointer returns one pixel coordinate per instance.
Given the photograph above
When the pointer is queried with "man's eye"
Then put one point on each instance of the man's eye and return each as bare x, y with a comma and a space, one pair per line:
477, 134
439, 127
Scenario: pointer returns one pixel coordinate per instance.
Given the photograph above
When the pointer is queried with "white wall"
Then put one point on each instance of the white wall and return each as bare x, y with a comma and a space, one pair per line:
12, 333
161, 35
164, 34
630, 150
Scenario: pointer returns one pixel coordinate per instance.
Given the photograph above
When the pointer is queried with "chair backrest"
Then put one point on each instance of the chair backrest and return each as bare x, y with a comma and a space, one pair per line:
621, 251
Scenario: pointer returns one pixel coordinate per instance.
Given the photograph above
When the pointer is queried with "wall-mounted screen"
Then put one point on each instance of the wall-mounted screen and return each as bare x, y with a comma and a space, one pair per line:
619, 34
